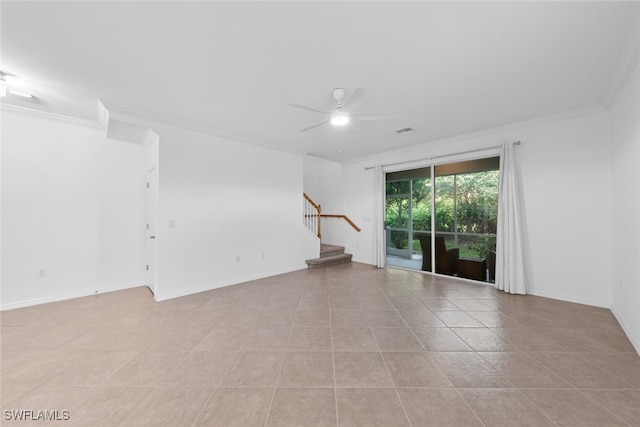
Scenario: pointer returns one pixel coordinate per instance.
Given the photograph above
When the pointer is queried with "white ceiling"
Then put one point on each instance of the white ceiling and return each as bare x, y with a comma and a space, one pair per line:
443, 68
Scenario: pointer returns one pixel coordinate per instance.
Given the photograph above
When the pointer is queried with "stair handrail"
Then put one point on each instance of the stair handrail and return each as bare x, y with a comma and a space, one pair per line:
318, 215
346, 218
311, 223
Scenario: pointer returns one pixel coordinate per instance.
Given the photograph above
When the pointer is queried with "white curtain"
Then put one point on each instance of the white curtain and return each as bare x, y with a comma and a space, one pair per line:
510, 261
378, 220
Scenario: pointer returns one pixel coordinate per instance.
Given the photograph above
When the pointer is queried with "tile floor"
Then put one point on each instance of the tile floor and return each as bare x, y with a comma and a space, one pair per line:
350, 345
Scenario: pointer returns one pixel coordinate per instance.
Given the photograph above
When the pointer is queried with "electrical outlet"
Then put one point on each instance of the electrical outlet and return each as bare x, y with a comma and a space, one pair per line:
237, 259
42, 273
262, 255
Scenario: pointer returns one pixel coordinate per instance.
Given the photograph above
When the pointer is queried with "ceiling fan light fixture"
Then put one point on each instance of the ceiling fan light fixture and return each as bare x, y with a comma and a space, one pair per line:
339, 118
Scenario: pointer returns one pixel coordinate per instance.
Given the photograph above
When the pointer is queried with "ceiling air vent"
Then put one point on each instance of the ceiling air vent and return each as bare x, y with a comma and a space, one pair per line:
405, 130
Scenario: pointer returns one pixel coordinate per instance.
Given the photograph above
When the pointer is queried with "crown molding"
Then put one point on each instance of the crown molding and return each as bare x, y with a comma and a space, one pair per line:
160, 119
626, 64
99, 123
478, 134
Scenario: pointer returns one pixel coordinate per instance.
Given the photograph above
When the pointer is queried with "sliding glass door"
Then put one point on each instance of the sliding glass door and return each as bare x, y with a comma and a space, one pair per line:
408, 215
462, 206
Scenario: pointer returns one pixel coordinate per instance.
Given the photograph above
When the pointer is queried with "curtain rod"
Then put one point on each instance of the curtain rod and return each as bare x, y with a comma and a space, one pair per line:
443, 155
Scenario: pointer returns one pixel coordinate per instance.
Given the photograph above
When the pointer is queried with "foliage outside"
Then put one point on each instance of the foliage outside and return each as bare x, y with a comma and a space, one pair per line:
466, 209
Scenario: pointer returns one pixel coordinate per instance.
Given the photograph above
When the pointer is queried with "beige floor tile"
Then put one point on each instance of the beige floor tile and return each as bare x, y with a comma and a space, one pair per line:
415, 370
275, 319
440, 339
437, 407
224, 338
303, 407
344, 303
612, 338
238, 317
523, 371
385, 319
376, 303
408, 302
625, 366
104, 406
458, 319
90, 368
481, 339
199, 369
526, 339
267, 339
283, 303
421, 318
254, 369
369, 407
396, 339
313, 303
311, 319
441, 345
37, 370
577, 371
58, 399
572, 407
469, 370
180, 338
146, 369
499, 407
495, 319
470, 304
169, 406
349, 319
360, 369
307, 369
625, 404
9, 393
570, 340
317, 339
353, 339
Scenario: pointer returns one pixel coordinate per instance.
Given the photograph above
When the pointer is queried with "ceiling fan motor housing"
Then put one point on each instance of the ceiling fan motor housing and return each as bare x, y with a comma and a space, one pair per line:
338, 94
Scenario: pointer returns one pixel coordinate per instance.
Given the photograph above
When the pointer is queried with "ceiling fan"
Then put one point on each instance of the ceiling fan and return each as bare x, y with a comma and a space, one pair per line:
341, 115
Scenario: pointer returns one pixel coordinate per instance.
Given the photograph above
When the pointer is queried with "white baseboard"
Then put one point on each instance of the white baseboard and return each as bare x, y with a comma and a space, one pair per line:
635, 341
568, 298
69, 295
163, 296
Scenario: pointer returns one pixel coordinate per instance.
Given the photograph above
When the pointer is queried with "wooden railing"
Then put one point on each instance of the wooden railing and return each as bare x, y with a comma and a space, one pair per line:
313, 214
346, 218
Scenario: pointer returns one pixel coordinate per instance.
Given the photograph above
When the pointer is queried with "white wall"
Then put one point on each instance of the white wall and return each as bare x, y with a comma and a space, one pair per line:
564, 164
228, 201
625, 191
73, 204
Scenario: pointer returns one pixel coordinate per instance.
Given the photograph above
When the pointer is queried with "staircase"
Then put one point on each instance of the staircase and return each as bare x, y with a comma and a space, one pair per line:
329, 255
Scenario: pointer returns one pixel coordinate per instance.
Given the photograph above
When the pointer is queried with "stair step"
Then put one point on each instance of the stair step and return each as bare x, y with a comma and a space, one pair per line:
330, 250
328, 261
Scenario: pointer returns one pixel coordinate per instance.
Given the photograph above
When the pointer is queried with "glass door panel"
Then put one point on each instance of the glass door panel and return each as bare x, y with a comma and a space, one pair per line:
466, 209
398, 212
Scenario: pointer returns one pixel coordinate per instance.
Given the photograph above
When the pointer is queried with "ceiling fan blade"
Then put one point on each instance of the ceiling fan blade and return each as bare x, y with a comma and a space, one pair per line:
355, 97
304, 107
371, 116
315, 126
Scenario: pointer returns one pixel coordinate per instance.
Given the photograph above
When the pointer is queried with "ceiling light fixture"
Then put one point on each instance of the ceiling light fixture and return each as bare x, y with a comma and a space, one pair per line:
339, 117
